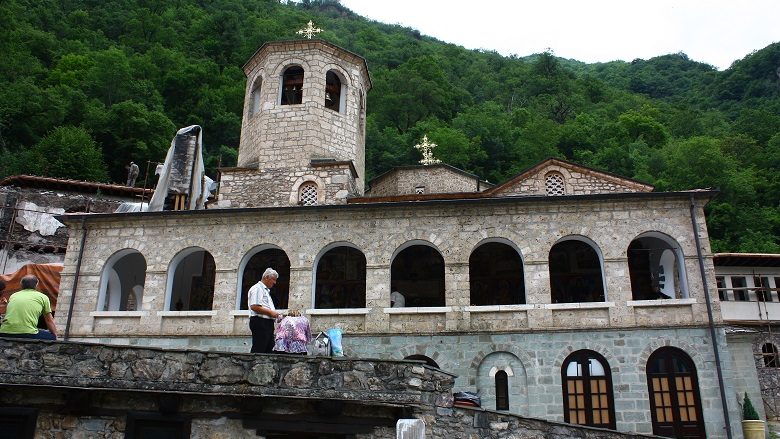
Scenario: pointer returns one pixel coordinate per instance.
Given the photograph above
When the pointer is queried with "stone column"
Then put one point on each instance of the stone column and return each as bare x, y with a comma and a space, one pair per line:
618, 290
225, 284
300, 288
377, 298
457, 295
537, 293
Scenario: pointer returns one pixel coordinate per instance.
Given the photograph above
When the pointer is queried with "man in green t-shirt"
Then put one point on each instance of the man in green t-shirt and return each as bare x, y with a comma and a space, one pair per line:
23, 310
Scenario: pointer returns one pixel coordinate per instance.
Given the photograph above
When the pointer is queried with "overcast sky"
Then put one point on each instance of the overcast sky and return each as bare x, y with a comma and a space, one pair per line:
716, 32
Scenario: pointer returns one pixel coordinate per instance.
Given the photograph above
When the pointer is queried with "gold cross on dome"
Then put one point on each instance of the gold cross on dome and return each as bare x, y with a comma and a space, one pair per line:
309, 31
426, 148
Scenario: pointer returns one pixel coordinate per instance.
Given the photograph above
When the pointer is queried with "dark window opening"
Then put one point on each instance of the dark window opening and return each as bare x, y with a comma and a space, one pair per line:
575, 273
192, 288
502, 390
292, 86
428, 361
675, 402
769, 353
721, 283
154, 426
124, 283
739, 287
587, 390
654, 270
762, 290
417, 272
253, 273
341, 279
332, 91
496, 275
17, 423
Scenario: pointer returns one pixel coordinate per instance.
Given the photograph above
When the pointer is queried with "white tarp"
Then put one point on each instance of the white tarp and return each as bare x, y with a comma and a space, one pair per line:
39, 219
201, 184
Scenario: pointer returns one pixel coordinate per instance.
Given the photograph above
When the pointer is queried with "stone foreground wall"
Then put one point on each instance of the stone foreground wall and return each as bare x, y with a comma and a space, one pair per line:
79, 396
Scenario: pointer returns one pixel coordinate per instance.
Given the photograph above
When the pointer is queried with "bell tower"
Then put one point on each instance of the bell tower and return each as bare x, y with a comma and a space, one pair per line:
303, 128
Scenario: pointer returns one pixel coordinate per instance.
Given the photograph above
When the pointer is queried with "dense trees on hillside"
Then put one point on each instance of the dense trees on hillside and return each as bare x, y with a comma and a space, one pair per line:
87, 86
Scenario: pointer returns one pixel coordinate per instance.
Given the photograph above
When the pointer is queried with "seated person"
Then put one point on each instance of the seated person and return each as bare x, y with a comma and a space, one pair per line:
24, 309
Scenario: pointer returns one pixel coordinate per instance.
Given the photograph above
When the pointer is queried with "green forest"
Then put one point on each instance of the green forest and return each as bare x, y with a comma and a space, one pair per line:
88, 85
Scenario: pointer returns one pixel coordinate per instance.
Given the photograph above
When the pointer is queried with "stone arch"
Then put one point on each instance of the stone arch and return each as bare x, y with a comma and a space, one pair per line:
517, 381
190, 281
657, 343
417, 272
336, 89
292, 75
255, 95
422, 350
122, 281
656, 265
295, 191
576, 275
344, 286
601, 349
493, 268
274, 255
429, 361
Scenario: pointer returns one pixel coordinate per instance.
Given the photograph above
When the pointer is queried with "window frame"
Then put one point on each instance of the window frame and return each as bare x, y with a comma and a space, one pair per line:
583, 357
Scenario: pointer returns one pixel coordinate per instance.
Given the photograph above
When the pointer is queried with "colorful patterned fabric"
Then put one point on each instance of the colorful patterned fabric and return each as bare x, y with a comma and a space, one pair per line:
292, 335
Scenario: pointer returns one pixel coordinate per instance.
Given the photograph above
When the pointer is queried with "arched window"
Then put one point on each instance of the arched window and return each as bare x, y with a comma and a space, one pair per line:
428, 361
254, 97
673, 386
191, 278
417, 272
496, 275
554, 184
333, 94
307, 194
122, 282
251, 271
341, 279
769, 352
656, 268
575, 273
587, 390
292, 86
502, 390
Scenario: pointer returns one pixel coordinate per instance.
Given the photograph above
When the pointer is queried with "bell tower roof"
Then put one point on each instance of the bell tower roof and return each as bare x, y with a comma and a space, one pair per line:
306, 44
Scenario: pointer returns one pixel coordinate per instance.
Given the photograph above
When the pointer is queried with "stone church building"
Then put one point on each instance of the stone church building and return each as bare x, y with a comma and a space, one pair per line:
564, 293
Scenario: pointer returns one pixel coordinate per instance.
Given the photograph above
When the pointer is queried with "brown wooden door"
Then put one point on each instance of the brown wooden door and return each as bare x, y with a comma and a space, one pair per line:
674, 395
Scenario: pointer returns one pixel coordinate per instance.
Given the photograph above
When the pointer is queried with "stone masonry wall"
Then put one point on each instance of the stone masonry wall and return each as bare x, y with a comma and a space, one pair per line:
533, 226
241, 187
577, 183
435, 179
93, 390
28, 230
289, 136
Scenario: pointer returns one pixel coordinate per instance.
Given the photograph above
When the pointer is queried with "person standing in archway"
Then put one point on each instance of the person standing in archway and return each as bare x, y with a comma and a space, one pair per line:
262, 313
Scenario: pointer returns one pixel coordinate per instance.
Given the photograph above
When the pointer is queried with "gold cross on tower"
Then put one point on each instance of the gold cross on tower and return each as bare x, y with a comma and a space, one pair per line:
426, 148
309, 31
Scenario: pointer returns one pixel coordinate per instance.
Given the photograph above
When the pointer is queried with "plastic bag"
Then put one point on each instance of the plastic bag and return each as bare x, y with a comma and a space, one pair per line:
321, 345
334, 334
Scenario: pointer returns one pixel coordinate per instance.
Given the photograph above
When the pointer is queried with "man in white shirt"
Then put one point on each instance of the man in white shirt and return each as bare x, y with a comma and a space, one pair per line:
262, 313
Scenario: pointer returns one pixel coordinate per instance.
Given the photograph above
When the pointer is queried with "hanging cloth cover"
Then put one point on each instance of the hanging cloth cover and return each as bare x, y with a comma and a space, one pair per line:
200, 183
